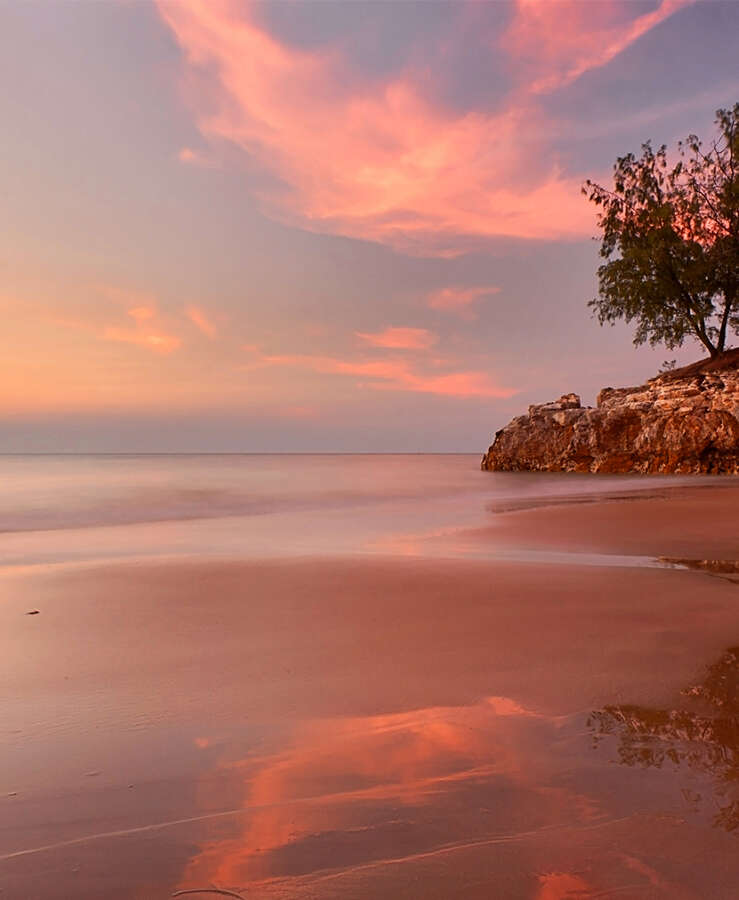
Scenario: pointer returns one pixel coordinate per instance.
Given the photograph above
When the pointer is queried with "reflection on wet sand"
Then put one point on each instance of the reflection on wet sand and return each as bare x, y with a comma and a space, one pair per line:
562, 886
351, 794
723, 568
300, 720
704, 740
344, 803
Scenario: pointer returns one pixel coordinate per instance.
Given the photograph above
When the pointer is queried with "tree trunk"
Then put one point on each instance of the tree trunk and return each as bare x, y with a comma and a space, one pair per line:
721, 344
702, 336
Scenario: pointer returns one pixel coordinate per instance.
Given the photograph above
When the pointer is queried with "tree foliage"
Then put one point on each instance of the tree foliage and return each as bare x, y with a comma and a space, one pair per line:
670, 240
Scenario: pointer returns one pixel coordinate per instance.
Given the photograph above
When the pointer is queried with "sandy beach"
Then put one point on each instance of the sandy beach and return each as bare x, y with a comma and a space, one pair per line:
369, 450
377, 726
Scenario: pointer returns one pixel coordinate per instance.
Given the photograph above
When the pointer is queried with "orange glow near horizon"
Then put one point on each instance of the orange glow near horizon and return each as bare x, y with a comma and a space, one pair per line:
382, 210
178, 360
144, 333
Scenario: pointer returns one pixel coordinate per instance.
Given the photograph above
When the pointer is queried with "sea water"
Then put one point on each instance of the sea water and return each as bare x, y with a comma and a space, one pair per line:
91, 508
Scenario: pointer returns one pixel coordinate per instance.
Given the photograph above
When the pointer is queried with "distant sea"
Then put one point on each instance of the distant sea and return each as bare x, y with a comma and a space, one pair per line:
88, 508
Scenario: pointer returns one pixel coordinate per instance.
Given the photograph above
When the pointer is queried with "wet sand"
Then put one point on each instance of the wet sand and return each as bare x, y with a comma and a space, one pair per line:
381, 727
692, 522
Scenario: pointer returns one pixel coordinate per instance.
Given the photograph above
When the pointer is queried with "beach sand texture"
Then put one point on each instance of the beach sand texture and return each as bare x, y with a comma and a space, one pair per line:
426, 725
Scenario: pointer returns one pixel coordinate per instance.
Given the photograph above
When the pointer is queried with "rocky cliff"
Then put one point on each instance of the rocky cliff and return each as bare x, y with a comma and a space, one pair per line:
683, 421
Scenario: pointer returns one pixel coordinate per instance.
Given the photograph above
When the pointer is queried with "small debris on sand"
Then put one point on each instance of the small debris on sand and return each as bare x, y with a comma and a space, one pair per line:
222, 891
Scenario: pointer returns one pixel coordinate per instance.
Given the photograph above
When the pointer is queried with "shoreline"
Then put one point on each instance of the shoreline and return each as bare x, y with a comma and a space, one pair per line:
515, 525
201, 704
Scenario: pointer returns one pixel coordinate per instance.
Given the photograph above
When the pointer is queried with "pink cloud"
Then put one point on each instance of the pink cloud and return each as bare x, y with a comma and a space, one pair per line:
201, 321
191, 157
459, 299
125, 316
393, 374
553, 44
382, 162
453, 384
141, 313
147, 329
400, 170
143, 337
400, 338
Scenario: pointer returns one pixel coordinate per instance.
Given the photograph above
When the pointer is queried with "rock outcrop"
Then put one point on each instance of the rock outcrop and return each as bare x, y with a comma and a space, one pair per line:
685, 421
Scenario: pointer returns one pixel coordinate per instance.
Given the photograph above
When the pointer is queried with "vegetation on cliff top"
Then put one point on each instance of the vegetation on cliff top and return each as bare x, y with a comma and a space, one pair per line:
671, 241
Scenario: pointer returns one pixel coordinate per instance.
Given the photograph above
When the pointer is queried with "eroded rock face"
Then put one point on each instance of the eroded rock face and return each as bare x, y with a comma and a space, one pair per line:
684, 422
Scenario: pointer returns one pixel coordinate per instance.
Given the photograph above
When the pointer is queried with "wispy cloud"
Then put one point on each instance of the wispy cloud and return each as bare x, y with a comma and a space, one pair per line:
382, 161
400, 338
390, 374
555, 43
143, 333
200, 320
459, 299
137, 320
142, 314
191, 157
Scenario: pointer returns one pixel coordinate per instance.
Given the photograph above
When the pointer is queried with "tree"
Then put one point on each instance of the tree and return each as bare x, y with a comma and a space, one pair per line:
671, 241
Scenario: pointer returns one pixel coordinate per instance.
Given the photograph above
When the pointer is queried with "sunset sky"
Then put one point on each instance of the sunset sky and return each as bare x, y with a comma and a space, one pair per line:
322, 226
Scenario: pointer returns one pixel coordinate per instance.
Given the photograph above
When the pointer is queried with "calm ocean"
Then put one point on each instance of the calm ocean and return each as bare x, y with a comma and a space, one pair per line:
69, 508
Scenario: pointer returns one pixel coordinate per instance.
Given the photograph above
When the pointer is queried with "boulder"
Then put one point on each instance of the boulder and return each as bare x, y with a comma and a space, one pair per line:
686, 421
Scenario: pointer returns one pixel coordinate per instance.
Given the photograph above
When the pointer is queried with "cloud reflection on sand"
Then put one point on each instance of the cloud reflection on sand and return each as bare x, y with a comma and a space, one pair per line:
491, 791
354, 793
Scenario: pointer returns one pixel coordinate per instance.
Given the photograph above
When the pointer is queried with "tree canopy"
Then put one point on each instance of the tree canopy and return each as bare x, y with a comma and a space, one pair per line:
670, 240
